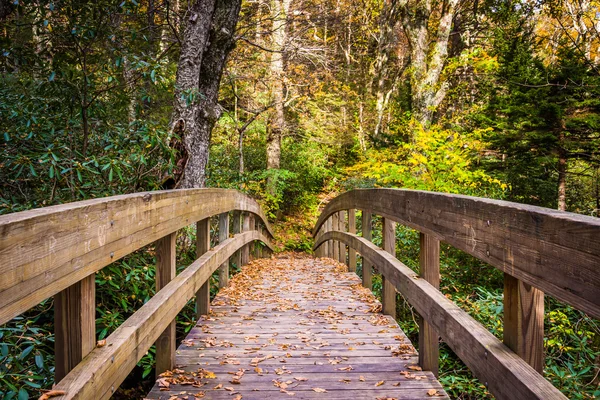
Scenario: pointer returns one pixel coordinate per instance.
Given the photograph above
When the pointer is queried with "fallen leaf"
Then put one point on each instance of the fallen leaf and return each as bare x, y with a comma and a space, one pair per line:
101, 343
379, 383
432, 392
319, 390
52, 393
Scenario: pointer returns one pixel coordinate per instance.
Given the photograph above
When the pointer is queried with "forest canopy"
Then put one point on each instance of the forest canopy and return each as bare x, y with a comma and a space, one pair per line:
294, 103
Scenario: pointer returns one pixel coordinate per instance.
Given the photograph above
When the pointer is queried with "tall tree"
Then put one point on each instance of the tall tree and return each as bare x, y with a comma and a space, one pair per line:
208, 39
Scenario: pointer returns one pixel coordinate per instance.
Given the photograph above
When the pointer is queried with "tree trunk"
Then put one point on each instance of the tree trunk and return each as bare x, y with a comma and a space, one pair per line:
429, 52
208, 39
279, 10
562, 171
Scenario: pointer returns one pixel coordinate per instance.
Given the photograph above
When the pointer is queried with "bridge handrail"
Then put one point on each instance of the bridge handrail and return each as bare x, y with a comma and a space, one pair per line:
504, 374
538, 249
105, 368
46, 250
555, 251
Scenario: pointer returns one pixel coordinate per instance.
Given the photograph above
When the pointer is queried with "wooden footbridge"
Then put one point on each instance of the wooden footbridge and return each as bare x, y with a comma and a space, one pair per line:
292, 324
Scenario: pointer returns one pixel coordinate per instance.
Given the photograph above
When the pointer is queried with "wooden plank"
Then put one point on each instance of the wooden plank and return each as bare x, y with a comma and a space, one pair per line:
46, 250
388, 290
351, 229
342, 227
429, 263
223, 236
236, 228
245, 259
202, 246
103, 370
166, 253
554, 251
75, 325
506, 375
252, 246
329, 244
524, 321
367, 266
335, 226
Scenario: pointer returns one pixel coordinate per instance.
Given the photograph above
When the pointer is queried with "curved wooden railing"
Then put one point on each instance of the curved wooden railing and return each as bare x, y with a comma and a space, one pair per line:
55, 251
540, 251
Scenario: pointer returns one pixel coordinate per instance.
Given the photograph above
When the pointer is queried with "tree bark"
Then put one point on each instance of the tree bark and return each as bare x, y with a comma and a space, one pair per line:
208, 40
429, 52
279, 10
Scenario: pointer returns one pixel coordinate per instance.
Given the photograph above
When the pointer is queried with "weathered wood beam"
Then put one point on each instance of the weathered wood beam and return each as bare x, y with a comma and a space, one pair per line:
388, 290
74, 325
367, 266
429, 262
223, 236
165, 272
351, 229
524, 321
202, 246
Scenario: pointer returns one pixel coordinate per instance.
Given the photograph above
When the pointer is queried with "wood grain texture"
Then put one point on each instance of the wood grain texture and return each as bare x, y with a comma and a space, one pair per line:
166, 253
388, 290
506, 375
103, 370
236, 227
429, 269
554, 251
202, 246
335, 226
329, 244
74, 325
304, 321
342, 227
245, 257
223, 236
44, 251
367, 233
351, 229
524, 321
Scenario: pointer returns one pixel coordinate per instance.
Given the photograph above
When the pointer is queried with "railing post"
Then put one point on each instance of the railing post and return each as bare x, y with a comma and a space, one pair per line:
342, 227
165, 271
237, 228
335, 222
252, 245
202, 246
388, 291
329, 226
351, 229
74, 325
367, 222
223, 236
524, 321
245, 228
429, 262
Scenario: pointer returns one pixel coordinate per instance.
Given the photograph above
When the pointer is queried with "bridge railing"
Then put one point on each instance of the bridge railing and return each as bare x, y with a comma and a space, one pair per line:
56, 251
538, 249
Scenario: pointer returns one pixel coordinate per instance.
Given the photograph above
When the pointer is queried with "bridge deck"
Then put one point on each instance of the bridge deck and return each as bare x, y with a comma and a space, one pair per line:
296, 326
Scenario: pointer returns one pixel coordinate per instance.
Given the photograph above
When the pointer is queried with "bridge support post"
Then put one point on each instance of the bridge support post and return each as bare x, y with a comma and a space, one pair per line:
223, 236
237, 228
335, 222
367, 222
351, 229
342, 227
429, 262
328, 244
202, 246
388, 293
165, 272
524, 321
74, 325
245, 228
